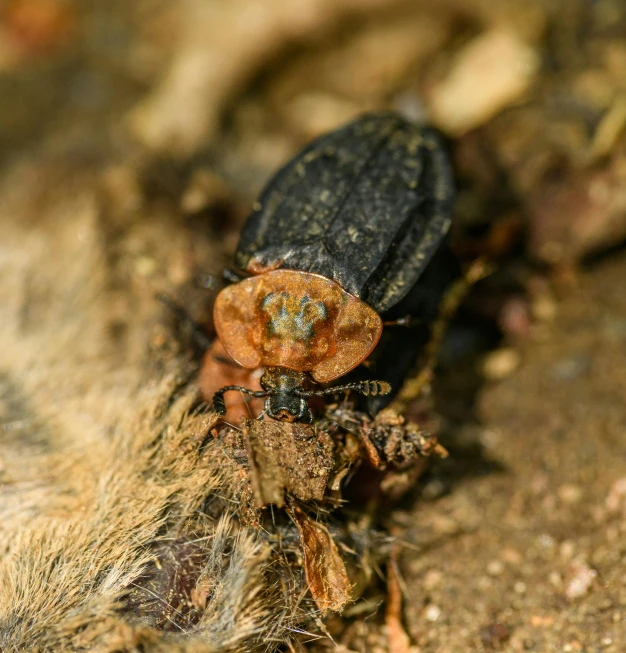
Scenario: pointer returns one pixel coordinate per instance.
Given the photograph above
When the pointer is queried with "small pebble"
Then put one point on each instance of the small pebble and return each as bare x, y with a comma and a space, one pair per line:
495, 568
574, 645
514, 318
544, 308
490, 439
541, 621
581, 581
571, 368
432, 578
434, 489
555, 579
567, 549
484, 583
444, 525
511, 555
546, 541
539, 483
432, 612
569, 493
145, 266
500, 364
494, 635
616, 499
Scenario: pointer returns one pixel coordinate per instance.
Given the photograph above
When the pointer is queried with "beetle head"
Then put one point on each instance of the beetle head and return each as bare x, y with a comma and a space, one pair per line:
287, 408
284, 402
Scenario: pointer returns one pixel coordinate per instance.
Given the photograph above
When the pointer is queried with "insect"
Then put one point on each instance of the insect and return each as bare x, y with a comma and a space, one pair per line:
340, 235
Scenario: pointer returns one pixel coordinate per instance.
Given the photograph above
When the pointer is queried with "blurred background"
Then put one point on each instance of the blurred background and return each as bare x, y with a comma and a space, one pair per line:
533, 94
134, 137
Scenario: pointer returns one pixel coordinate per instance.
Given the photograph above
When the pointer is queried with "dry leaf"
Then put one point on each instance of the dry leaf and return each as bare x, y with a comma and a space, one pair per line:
325, 571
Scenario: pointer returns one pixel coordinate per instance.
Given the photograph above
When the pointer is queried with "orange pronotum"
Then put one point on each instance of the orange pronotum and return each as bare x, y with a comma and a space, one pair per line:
298, 320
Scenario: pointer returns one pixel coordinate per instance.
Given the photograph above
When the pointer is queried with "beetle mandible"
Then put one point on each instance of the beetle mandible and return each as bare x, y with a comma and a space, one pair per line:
339, 235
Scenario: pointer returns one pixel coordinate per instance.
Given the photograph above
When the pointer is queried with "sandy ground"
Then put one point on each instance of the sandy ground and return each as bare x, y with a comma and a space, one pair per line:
525, 552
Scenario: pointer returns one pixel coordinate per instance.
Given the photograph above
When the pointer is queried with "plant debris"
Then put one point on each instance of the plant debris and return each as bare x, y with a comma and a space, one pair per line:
326, 574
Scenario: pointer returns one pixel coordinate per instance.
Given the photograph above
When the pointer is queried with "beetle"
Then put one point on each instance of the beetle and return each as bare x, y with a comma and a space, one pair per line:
340, 235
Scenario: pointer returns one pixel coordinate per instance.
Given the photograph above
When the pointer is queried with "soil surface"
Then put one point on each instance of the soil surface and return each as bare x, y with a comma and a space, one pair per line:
526, 550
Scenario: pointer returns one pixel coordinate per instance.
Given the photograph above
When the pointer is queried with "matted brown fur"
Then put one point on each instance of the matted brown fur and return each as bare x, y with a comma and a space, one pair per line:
105, 467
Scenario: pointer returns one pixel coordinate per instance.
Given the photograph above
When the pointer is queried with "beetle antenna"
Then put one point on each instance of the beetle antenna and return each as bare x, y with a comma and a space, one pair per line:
367, 388
218, 398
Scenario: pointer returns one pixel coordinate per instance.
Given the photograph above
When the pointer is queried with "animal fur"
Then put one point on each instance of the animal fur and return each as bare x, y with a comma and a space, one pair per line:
119, 515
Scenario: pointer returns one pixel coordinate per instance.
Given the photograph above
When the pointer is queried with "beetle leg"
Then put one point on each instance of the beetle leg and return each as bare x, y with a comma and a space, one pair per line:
367, 388
218, 398
307, 414
197, 332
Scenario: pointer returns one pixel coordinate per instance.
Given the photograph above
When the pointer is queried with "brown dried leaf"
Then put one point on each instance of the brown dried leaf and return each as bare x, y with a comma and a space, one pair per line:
325, 571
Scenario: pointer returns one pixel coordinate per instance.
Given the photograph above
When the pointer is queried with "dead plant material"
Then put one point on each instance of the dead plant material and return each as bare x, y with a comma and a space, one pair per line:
290, 465
398, 638
325, 571
388, 440
294, 458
